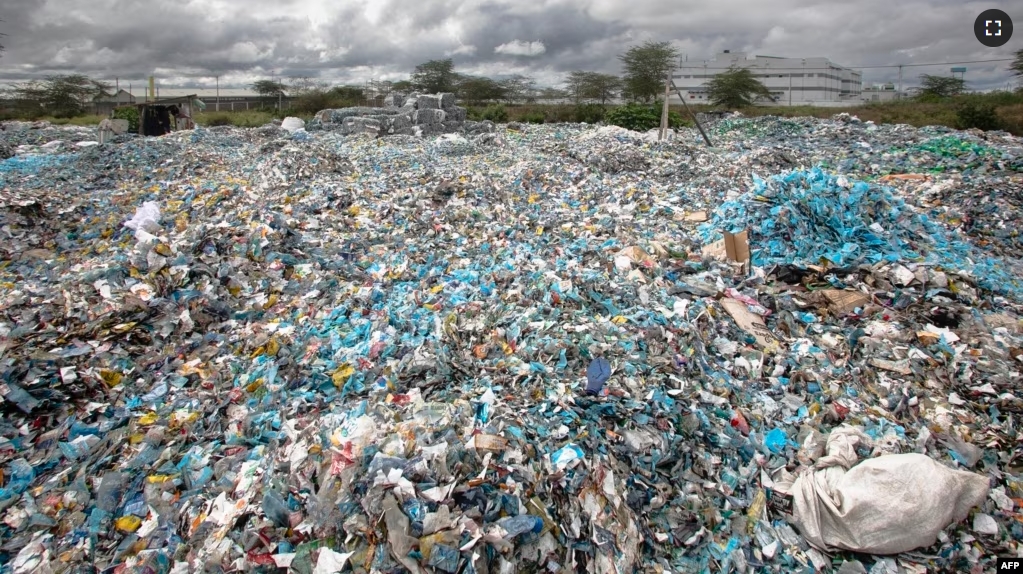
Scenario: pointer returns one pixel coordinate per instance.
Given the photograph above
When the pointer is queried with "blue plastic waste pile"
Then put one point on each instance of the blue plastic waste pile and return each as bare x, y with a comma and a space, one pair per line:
809, 217
234, 350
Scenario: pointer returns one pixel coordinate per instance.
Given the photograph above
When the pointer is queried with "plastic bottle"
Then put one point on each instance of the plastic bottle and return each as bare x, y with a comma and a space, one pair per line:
515, 525
108, 495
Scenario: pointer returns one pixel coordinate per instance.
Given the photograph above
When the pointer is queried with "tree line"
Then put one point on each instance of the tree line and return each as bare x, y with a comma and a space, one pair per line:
644, 71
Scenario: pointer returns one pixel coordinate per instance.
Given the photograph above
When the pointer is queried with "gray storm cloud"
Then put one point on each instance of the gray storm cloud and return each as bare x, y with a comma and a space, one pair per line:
243, 40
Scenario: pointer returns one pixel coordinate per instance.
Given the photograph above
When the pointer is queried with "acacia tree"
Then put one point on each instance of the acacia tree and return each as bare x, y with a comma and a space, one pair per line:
736, 88
304, 85
269, 90
435, 76
1017, 65
62, 95
593, 86
475, 90
518, 88
553, 93
940, 86
646, 69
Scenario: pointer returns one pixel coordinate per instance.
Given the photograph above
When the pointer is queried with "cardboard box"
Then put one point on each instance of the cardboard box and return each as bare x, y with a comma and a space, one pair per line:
737, 246
734, 247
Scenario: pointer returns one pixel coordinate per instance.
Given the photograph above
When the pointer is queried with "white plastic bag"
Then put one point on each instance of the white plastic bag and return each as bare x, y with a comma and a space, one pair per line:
146, 221
884, 505
292, 124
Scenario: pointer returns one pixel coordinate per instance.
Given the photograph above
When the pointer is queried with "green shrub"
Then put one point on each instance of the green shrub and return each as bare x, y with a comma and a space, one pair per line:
130, 114
589, 113
641, 118
634, 117
495, 113
929, 98
976, 115
558, 114
533, 117
220, 120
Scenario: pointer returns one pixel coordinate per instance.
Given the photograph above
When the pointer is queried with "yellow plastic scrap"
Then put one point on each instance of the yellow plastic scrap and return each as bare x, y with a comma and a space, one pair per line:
341, 375
128, 523
271, 301
180, 419
272, 346
148, 418
111, 378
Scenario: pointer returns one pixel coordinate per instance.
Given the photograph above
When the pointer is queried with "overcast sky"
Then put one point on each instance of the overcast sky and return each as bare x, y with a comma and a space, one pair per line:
187, 43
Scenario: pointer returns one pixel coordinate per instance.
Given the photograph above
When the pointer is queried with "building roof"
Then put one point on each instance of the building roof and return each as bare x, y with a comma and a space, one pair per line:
163, 101
120, 95
206, 93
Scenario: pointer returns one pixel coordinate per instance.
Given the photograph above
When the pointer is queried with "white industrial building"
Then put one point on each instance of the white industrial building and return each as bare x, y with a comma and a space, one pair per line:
792, 81
881, 93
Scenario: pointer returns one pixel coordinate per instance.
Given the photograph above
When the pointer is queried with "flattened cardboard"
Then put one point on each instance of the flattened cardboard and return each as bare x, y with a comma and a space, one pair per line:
900, 367
752, 324
843, 302
697, 216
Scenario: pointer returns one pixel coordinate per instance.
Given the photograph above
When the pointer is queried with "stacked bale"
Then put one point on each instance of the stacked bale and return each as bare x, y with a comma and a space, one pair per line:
416, 114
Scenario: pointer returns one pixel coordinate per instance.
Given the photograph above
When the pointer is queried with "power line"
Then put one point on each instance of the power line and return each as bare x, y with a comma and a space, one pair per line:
940, 63
836, 66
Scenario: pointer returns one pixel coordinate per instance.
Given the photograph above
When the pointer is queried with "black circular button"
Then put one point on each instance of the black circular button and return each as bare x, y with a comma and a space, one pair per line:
993, 28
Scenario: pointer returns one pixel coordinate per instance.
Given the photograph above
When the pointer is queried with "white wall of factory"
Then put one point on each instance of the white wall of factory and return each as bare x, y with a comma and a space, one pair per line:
792, 81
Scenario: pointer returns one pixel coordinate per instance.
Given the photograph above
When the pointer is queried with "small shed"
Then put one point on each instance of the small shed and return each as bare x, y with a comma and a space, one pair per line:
161, 117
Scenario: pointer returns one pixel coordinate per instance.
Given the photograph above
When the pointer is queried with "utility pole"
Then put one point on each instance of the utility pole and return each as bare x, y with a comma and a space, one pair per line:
218, 93
664, 109
898, 95
802, 83
790, 88
691, 114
